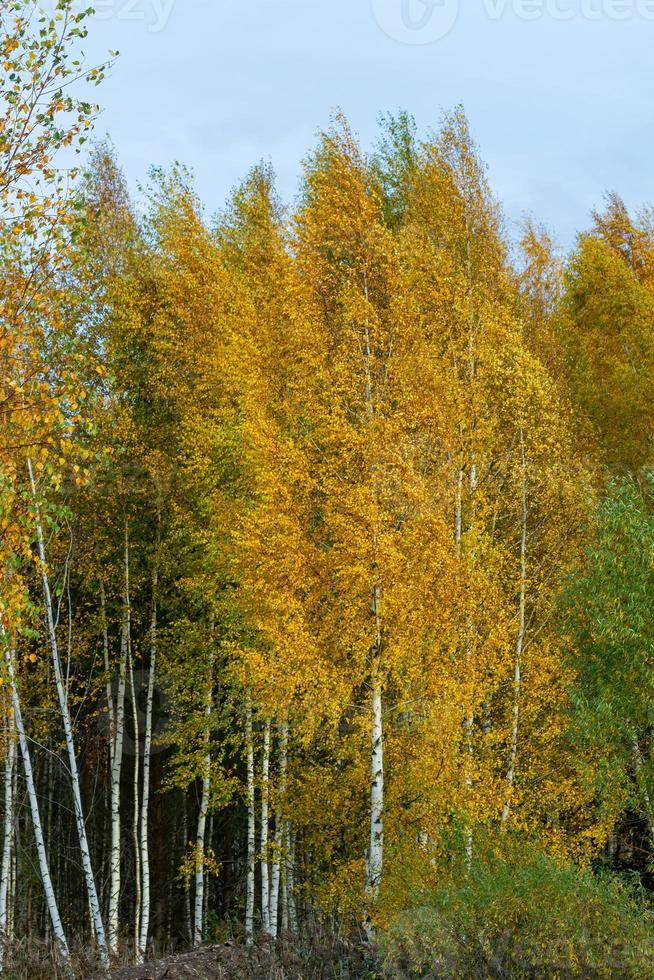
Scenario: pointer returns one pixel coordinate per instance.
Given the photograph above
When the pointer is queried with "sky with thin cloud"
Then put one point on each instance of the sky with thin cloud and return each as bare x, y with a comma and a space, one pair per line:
558, 92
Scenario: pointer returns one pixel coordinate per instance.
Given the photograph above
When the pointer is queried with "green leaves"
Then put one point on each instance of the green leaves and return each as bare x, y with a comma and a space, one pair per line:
607, 611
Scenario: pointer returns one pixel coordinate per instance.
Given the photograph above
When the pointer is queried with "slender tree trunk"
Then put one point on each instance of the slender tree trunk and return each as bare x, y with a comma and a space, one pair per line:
62, 694
200, 843
50, 813
265, 794
375, 861
290, 877
469, 725
13, 870
375, 857
44, 870
469, 721
251, 841
135, 810
520, 641
116, 758
8, 835
280, 820
376, 844
145, 801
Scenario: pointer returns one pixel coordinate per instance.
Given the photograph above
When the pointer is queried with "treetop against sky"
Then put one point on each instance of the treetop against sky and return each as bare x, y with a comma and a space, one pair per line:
222, 85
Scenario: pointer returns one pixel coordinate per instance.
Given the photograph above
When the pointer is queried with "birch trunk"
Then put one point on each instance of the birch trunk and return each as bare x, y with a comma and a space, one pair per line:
44, 870
279, 830
470, 718
200, 843
145, 801
135, 810
116, 741
374, 863
13, 872
11, 917
251, 841
8, 835
376, 844
520, 641
290, 877
469, 724
265, 789
94, 903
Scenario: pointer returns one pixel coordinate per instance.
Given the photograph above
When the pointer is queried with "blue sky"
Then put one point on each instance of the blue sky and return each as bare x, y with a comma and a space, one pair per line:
559, 92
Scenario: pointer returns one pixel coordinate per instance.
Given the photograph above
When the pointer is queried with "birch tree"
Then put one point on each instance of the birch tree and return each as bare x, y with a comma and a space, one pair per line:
38, 117
94, 903
116, 742
200, 839
251, 827
370, 340
44, 869
8, 828
264, 857
277, 881
136, 803
147, 750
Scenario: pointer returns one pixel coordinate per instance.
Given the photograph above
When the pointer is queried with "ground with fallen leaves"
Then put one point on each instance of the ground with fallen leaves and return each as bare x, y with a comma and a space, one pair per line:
282, 961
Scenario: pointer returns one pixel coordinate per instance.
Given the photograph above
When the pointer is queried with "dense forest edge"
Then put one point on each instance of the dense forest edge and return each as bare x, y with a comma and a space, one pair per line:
327, 538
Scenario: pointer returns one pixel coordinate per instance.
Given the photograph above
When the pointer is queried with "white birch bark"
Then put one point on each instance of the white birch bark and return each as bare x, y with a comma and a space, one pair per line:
94, 903
265, 794
280, 820
251, 840
375, 857
116, 742
13, 873
135, 809
290, 877
44, 869
200, 842
376, 842
8, 833
145, 800
520, 640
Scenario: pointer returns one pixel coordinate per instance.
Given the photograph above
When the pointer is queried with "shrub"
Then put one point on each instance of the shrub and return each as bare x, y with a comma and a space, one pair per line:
519, 914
